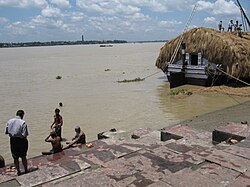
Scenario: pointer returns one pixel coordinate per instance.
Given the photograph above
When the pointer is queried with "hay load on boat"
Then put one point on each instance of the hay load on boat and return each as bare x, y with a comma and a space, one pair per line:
205, 57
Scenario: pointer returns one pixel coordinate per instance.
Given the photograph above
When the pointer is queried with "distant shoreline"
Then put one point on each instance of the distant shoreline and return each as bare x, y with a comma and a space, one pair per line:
59, 43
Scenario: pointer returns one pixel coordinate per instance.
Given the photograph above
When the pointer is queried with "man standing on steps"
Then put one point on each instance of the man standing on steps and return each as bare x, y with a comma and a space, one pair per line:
18, 131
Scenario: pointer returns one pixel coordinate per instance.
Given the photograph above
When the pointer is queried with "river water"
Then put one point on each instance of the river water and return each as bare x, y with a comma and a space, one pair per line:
91, 96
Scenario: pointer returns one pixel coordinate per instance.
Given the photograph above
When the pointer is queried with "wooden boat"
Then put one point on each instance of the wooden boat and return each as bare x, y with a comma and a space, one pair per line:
205, 56
106, 45
194, 69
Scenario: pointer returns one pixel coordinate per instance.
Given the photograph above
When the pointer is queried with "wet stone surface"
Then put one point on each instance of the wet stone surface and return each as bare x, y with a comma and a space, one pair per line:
189, 178
182, 148
242, 181
235, 129
10, 183
244, 143
229, 160
215, 172
120, 160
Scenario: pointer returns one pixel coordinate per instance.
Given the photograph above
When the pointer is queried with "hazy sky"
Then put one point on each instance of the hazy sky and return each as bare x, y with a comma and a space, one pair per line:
47, 20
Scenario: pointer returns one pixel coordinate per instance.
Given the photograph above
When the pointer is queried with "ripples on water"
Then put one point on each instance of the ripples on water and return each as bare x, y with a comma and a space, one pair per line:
91, 96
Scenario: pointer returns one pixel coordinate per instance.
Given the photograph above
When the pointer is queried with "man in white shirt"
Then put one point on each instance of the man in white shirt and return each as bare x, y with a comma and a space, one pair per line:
18, 131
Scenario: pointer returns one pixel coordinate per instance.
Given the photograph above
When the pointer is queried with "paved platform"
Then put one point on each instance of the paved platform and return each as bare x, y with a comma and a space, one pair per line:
179, 156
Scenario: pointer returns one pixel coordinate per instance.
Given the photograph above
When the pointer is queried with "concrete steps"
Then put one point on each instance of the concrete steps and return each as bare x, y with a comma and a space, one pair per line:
172, 157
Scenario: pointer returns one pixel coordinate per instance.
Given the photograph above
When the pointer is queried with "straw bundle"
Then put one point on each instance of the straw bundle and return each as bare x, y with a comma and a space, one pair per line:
225, 48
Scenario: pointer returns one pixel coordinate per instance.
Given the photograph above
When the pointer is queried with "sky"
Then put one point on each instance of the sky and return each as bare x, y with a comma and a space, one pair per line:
130, 20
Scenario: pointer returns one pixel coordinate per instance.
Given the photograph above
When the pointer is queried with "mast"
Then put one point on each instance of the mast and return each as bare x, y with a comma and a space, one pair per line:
243, 12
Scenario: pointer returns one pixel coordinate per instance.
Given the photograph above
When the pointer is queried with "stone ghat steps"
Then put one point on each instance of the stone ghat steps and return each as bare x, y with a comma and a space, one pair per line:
179, 156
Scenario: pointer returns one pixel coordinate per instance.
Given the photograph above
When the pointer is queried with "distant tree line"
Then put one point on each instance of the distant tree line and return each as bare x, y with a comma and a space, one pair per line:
54, 43
150, 41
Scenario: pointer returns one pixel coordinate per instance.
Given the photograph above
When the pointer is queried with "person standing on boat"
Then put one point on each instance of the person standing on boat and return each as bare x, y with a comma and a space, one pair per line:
18, 131
238, 30
58, 123
230, 26
236, 25
221, 28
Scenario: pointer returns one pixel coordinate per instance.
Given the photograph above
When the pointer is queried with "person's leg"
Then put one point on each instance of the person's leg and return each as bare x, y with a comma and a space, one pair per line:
23, 148
25, 165
60, 133
2, 162
15, 153
84, 139
16, 162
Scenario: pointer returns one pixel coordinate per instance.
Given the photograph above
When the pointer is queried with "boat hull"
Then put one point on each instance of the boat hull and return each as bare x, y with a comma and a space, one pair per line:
195, 75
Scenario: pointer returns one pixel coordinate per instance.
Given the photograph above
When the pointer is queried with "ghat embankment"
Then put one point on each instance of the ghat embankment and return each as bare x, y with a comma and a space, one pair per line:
208, 150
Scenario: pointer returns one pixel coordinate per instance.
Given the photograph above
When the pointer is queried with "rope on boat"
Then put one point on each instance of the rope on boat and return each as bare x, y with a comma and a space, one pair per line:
246, 83
181, 38
233, 77
152, 74
179, 41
